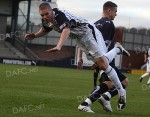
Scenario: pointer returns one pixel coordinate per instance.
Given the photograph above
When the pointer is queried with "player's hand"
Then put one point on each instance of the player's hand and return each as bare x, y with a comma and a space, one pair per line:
29, 36
94, 66
80, 64
53, 49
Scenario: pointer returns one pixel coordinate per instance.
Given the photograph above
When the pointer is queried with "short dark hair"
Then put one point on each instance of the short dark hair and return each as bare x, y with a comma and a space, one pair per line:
109, 4
44, 6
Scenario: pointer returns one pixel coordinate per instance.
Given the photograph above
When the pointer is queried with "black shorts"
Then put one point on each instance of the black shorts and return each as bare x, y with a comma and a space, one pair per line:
104, 76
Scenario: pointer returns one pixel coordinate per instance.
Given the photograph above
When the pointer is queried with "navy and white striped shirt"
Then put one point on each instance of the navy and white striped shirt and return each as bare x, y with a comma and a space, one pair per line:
64, 19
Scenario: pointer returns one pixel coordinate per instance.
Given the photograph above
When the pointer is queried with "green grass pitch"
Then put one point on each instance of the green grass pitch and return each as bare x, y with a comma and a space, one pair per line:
29, 91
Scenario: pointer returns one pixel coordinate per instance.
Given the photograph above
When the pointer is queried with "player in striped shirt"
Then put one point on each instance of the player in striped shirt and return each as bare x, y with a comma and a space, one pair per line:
107, 28
87, 37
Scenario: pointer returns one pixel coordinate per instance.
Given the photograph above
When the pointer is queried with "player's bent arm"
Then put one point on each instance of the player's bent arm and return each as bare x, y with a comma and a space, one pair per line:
64, 36
40, 33
31, 36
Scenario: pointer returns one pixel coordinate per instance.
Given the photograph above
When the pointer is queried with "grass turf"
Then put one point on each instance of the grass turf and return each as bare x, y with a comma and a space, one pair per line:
28, 91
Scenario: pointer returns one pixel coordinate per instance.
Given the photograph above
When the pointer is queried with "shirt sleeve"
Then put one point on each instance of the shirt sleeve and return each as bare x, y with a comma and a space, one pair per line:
62, 20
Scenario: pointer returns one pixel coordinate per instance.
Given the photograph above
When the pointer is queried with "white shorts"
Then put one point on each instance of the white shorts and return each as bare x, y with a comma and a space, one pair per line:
92, 42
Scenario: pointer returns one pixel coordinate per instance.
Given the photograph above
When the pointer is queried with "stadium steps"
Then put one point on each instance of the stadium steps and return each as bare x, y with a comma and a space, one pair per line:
7, 50
40, 51
20, 45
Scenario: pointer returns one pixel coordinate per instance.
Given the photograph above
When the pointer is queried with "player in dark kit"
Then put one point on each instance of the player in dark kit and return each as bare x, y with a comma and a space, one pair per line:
107, 28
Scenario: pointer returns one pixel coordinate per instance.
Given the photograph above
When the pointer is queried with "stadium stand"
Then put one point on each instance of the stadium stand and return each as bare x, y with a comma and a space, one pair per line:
7, 50
148, 32
20, 45
40, 51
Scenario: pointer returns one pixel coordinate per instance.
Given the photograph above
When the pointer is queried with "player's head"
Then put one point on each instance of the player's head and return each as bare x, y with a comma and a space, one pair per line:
46, 12
110, 10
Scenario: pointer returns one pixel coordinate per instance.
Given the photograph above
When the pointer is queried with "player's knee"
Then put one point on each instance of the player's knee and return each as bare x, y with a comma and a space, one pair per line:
102, 63
103, 77
109, 84
125, 82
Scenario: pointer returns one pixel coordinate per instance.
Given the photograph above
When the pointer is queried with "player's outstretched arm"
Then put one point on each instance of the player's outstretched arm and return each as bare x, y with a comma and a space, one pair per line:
29, 36
64, 36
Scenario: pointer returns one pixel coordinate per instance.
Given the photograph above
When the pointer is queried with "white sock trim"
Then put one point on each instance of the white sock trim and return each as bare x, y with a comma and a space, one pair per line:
88, 101
108, 94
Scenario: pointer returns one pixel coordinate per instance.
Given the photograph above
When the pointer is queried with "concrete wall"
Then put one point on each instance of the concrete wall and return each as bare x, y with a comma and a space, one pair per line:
135, 41
3, 22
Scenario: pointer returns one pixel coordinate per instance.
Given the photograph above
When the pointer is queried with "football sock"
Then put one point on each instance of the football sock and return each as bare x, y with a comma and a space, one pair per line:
95, 75
112, 54
148, 82
114, 78
112, 92
144, 75
87, 102
107, 96
97, 92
